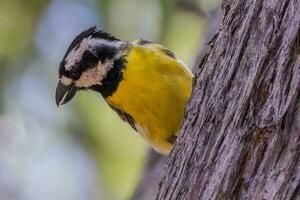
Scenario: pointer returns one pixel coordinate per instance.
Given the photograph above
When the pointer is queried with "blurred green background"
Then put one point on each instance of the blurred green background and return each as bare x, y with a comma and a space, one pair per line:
81, 151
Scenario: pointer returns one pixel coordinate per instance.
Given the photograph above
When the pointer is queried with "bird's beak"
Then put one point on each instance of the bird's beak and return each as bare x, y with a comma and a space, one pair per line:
64, 94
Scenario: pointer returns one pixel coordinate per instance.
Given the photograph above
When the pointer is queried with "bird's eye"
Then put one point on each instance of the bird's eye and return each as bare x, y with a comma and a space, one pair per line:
74, 73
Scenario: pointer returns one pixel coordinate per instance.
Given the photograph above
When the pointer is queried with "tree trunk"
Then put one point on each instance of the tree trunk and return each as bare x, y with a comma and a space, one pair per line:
241, 134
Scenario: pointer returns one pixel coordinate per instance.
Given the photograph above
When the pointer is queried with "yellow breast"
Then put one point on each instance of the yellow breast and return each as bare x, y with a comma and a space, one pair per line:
154, 91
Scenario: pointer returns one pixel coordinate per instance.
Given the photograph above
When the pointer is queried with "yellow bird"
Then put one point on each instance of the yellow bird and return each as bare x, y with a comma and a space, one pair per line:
142, 81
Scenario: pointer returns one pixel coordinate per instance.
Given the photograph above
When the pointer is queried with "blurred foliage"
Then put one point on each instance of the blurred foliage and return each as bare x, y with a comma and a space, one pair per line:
118, 150
18, 20
186, 35
87, 137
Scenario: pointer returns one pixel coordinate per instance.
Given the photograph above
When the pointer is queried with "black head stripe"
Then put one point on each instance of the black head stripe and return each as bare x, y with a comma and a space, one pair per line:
105, 52
90, 32
88, 60
61, 68
103, 35
79, 38
95, 33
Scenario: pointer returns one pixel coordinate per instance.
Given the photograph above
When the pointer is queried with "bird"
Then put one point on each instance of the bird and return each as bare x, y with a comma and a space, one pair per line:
142, 81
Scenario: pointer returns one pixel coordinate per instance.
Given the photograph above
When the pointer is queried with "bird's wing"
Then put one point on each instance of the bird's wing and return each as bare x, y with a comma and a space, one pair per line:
124, 116
159, 47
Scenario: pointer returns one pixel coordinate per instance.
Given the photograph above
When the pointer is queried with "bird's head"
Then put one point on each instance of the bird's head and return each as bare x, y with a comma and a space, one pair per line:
91, 60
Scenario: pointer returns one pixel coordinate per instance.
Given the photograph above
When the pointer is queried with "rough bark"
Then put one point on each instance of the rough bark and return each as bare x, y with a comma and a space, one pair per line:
241, 134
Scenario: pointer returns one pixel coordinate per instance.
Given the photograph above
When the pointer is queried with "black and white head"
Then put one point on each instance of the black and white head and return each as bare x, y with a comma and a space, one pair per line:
94, 60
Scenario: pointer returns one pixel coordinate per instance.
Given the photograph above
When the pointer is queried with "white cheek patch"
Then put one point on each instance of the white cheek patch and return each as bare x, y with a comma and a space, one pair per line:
65, 80
94, 76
